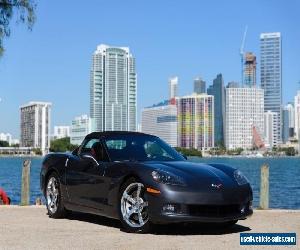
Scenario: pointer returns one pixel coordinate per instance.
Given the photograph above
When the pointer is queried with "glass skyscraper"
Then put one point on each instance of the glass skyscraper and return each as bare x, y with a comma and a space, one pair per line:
285, 125
173, 85
218, 91
199, 86
113, 97
271, 75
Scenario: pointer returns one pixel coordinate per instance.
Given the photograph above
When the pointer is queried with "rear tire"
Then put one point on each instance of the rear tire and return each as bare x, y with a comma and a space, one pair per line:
53, 197
133, 207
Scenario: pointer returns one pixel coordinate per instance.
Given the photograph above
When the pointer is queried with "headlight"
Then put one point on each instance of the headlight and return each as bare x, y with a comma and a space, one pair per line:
164, 177
240, 178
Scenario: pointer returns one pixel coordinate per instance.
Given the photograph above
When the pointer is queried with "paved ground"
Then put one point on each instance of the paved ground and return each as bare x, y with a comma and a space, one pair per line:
30, 228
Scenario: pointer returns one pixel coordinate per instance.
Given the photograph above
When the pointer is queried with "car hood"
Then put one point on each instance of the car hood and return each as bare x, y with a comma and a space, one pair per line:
197, 173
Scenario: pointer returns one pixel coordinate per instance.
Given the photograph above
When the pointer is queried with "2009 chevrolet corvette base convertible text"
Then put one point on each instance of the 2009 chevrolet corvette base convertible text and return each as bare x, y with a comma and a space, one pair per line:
140, 180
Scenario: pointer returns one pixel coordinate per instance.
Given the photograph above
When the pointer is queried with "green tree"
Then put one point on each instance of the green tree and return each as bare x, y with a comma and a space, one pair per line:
189, 152
290, 151
61, 145
37, 151
4, 143
236, 151
24, 11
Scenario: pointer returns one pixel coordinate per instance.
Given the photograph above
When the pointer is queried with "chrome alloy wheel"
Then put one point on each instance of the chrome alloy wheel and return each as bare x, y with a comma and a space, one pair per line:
134, 206
52, 193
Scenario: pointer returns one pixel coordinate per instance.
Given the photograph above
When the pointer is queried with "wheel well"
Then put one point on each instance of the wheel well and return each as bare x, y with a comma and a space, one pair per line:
126, 178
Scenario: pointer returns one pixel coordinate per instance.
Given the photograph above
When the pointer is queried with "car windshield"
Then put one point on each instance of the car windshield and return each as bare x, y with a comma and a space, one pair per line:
135, 147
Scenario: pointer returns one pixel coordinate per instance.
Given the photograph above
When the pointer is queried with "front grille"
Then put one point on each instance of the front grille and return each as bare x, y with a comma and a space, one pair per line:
214, 210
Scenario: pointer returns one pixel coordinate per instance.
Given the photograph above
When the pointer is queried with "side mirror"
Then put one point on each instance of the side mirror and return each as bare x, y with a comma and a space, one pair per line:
184, 156
75, 151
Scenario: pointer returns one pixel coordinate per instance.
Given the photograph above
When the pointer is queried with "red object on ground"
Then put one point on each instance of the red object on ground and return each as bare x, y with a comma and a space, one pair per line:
4, 197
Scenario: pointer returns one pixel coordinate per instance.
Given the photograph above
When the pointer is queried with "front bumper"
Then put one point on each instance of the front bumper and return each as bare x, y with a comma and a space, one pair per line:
172, 206
175, 217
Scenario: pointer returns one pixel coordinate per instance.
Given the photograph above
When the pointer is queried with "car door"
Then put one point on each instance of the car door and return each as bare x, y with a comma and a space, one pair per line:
86, 184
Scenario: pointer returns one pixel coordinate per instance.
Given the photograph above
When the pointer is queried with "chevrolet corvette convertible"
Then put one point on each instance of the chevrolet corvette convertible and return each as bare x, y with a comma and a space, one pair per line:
140, 180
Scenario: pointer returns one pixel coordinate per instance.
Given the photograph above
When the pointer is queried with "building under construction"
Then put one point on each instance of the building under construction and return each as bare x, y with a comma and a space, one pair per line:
250, 69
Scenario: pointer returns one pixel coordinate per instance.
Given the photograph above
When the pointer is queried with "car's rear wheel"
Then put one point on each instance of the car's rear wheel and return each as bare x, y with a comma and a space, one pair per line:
54, 200
133, 207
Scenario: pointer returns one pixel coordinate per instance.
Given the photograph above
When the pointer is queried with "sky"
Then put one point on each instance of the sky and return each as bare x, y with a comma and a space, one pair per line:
183, 38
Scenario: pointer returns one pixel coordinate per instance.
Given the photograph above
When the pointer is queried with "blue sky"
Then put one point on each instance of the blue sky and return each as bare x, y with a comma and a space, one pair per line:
183, 38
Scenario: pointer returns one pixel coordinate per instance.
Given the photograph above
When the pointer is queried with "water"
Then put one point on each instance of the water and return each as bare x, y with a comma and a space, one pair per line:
284, 178
11, 174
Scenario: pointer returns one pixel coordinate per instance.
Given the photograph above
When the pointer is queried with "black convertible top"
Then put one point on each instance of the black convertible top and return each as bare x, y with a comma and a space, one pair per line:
108, 133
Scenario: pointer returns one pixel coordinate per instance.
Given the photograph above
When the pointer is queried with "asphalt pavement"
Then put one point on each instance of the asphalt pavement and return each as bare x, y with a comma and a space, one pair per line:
30, 228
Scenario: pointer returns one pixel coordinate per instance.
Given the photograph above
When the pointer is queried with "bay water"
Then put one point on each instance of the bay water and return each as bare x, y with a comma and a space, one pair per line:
284, 177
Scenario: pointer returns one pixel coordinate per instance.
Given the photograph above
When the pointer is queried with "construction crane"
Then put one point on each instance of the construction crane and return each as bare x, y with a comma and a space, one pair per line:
242, 54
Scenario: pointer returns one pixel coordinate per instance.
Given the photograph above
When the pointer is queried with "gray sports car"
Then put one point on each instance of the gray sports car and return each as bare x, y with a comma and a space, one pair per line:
140, 180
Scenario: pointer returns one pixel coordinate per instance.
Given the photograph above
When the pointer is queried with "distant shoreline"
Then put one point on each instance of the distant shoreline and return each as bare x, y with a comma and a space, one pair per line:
20, 156
205, 157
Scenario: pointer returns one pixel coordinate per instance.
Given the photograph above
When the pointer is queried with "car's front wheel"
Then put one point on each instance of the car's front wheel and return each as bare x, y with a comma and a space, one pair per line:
133, 207
54, 200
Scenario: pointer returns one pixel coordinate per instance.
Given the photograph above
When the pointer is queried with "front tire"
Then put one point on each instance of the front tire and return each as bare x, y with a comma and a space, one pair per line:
133, 207
54, 200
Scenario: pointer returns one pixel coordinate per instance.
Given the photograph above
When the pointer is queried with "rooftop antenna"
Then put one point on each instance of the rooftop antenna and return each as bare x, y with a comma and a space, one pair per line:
242, 55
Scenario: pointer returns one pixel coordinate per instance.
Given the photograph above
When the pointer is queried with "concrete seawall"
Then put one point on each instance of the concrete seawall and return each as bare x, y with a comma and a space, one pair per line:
30, 228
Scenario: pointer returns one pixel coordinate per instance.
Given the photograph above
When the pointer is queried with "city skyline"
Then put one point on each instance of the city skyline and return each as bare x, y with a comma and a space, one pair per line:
38, 65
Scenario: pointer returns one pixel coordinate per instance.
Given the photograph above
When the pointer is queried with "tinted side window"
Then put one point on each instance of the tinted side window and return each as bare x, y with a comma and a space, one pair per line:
88, 146
116, 144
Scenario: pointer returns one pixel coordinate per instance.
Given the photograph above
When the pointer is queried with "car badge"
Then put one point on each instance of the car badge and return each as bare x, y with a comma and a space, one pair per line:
217, 186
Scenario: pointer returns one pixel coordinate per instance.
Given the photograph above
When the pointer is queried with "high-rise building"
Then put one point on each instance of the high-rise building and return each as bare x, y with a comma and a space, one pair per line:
173, 85
233, 84
250, 70
218, 91
297, 114
35, 125
291, 115
199, 86
288, 114
61, 132
271, 75
161, 120
244, 115
196, 121
113, 89
80, 127
270, 129
285, 125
